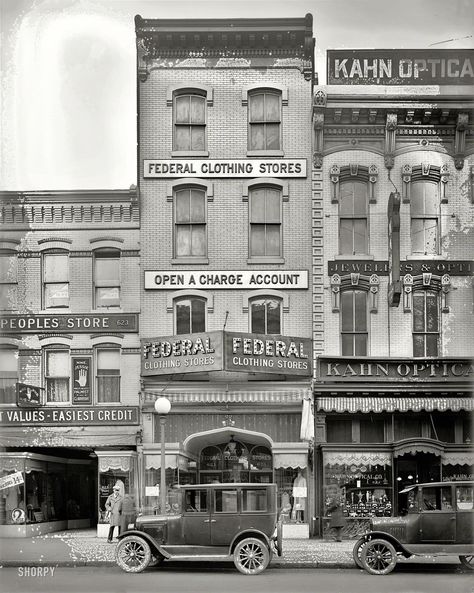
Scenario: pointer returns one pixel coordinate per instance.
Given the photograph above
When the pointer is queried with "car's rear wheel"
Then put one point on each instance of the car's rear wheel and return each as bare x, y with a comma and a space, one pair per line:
357, 551
133, 554
467, 561
251, 556
378, 556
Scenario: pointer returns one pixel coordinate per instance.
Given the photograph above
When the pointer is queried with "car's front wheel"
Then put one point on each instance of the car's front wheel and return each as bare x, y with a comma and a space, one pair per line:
357, 551
467, 561
251, 556
133, 554
378, 556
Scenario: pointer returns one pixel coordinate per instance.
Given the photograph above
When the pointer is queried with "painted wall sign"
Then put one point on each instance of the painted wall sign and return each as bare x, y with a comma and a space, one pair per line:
74, 323
11, 480
166, 169
81, 379
70, 416
401, 66
28, 396
390, 370
453, 268
217, 351
227, 280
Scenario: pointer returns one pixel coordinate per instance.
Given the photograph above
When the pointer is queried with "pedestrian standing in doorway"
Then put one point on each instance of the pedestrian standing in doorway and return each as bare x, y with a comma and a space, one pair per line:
113, 506
337, 521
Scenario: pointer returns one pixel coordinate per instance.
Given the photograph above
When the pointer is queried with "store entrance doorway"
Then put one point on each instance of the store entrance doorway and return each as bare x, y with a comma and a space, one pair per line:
413, 468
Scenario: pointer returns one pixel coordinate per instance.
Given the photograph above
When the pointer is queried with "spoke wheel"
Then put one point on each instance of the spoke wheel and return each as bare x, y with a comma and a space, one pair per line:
357, 551
251, 556
467, 561
378, 556
133, 554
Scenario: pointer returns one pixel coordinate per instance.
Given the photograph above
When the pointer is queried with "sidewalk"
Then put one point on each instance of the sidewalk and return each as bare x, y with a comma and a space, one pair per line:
83, 548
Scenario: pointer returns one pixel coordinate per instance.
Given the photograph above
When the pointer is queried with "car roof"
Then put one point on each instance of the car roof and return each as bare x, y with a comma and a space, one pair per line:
225, 486
448, 483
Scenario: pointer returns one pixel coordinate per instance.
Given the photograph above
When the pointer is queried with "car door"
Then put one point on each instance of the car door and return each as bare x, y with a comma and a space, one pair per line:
225, 516
196, 517
438, 517
464, 514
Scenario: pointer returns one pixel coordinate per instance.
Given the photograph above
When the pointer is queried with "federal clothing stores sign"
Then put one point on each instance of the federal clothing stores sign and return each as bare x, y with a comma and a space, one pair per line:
401, 66
225, 168
219, 350
77, 323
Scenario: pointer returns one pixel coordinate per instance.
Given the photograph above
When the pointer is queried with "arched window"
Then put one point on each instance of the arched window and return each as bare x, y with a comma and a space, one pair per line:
353, 223
107, 278
190, 315
424, 210
264, 120
265, 222
190, 223
189, 115
265, 315
354, 325
425, 323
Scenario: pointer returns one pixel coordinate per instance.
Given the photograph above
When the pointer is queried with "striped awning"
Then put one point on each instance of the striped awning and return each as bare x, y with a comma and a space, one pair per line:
223, 396
393, 404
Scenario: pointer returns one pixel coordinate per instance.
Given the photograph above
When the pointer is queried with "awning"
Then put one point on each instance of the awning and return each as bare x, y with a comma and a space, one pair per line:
418, 445
153, 461
290, 460
74, 436
393, 404
458, 458
223, 396
357, 458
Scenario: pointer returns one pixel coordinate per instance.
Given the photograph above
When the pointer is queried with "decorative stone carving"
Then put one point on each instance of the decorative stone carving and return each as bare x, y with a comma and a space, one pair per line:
335, 173
445, 288
318, 125
407, 292
374, 283
406, 180
319, 98
336, 292
390, 139
460, 140
373, 175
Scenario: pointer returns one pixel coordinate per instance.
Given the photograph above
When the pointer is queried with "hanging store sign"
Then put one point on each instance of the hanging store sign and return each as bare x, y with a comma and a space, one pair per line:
230, 280
217, 351
81, 380
70, 416
400, 66
351, 369
413, 266
46, 324
228, 168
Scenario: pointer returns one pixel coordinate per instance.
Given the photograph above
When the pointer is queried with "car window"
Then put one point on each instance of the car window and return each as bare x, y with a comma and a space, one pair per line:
195, 501
226, 501
254, 500
437, 499
464, 498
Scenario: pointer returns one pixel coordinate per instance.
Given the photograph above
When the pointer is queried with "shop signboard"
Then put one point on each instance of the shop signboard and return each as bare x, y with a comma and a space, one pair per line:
81, 379
224, 168
353, 369
412, 266
400, 66
11, 480
226, 280
68, 416
72, 323
219, 350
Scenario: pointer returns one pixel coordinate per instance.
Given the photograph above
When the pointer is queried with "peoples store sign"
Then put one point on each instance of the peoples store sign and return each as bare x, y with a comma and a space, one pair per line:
219, 350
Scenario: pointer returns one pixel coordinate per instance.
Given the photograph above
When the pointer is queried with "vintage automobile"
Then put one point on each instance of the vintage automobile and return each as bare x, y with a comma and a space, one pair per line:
438, 521
236, 522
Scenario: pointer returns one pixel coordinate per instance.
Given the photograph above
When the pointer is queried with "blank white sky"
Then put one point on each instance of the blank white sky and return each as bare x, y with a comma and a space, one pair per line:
68, 72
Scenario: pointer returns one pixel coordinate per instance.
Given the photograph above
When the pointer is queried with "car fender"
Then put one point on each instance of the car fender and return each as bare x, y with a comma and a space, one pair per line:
153, 544
249, 533
399, 547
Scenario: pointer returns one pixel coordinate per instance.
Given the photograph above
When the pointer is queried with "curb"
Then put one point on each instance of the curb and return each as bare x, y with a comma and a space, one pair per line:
104, 564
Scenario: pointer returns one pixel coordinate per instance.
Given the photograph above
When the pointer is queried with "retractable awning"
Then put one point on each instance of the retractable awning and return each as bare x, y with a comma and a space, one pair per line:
393, 404
234, 396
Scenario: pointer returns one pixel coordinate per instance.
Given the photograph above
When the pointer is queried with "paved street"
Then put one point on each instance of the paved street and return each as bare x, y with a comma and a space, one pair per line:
209, 579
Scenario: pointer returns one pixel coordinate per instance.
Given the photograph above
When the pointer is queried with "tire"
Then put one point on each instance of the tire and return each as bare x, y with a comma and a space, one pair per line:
357, 551
378, 556
251, 556
467, 561
133, 554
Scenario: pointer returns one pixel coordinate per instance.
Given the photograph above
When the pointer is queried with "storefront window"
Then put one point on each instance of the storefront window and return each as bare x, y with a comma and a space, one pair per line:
14, 495
457, 472
152, 490
292, 494
107, 481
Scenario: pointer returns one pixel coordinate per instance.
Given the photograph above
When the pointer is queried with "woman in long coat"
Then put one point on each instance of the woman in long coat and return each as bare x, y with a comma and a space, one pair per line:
113, 506
337, 520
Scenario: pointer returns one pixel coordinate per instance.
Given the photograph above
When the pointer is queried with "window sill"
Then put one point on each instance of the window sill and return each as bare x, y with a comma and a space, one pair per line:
189, 153
263, 153
203, 261
266, 260
415, 256
354, 257
57, 311
105, 310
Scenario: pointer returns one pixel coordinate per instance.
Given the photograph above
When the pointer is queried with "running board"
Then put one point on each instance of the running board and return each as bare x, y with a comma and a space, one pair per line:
201, 557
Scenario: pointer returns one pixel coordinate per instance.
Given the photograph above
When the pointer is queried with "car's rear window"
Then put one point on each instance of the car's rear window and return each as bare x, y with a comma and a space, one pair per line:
254, 500
226, 501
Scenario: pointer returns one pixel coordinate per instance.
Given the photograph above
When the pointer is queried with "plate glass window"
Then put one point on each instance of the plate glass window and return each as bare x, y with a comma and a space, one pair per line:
353, 233
264, 120
190, 315
56, 281
265, 222
190, 223
354, 333
189, 122
108, 375
107, 279
58, 368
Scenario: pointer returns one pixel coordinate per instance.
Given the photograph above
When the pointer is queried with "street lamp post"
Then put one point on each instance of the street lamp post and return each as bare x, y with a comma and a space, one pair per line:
162, 407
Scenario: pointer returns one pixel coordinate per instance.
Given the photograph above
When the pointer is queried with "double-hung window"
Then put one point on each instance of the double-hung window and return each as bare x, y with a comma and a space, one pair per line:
8, 281
354, 332
424, 217
425, 323
353, 227
108, 375
264, 120
265, 315
190, 223
265, 222
190, 315
56, 280
107, 279
58, 372
189, 122
8, 375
